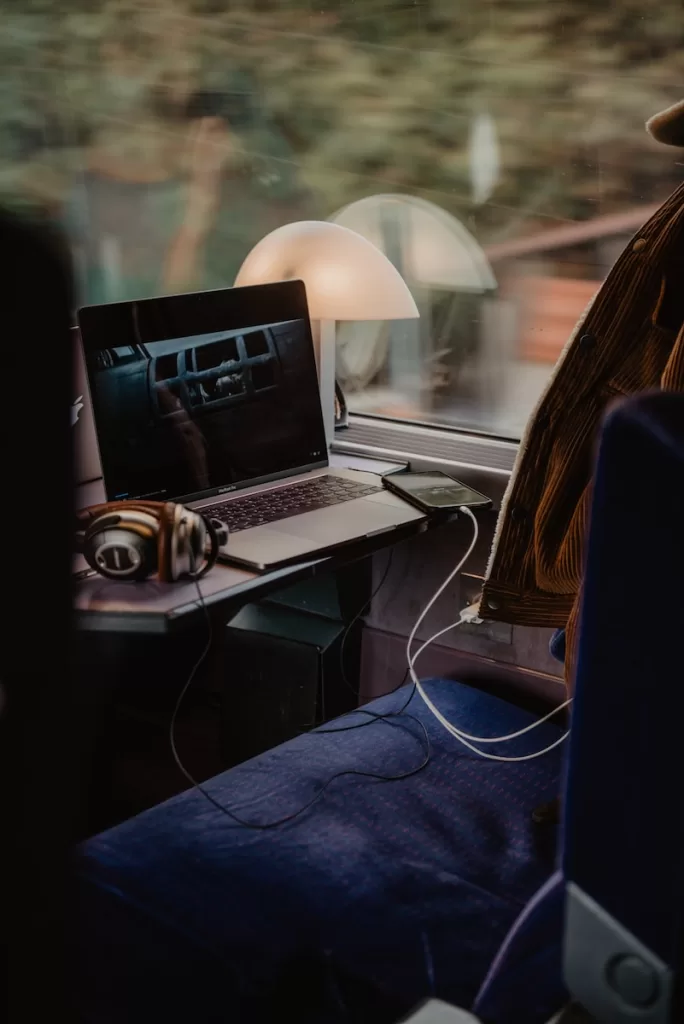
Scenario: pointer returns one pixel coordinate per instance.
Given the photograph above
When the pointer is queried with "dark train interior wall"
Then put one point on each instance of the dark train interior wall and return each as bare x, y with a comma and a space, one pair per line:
516, 658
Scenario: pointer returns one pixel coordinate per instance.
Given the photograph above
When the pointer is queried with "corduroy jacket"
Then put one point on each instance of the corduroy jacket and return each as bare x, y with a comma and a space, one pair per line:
631, 339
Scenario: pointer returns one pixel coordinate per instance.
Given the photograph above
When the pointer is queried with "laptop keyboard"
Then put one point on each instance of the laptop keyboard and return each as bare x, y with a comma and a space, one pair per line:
284, 502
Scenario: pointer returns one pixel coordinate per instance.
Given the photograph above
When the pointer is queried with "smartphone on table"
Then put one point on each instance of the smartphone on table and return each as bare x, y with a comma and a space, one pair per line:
434, 491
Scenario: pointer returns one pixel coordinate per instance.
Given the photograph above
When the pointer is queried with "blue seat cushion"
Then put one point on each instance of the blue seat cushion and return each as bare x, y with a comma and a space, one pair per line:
380, 894
525, 982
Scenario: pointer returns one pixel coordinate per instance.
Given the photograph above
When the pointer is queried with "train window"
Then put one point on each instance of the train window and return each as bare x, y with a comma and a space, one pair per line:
494, 150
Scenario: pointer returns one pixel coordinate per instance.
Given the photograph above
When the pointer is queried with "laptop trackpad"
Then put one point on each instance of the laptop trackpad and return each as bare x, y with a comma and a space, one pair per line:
346, 521
268, 545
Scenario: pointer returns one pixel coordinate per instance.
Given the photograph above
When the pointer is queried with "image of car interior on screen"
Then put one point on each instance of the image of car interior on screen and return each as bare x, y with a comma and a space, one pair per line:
186, 415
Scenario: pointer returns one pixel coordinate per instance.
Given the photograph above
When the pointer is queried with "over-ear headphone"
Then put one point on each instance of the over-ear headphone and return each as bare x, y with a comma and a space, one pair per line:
130, 540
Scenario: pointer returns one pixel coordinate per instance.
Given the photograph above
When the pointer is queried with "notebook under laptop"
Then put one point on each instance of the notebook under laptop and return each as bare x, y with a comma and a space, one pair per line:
211, 399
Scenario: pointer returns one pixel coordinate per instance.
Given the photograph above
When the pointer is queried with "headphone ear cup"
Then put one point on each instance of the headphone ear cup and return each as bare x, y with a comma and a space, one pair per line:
221, 531
188, 543
122, 545
198, 539
216, 533
195, 544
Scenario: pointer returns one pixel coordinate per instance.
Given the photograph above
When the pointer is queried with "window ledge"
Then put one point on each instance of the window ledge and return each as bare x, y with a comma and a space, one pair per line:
484, 462
366, 435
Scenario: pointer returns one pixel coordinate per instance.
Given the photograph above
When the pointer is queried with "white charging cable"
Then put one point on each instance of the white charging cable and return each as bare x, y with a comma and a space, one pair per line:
463, 737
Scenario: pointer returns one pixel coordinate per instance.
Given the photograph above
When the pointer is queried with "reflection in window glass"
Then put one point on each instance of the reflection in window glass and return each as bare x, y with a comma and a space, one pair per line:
493, 148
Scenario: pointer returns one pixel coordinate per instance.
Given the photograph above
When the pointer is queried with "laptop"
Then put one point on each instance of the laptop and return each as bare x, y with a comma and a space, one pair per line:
211, 399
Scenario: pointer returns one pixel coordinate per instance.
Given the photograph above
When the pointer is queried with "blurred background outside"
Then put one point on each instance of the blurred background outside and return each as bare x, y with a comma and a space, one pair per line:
494, 149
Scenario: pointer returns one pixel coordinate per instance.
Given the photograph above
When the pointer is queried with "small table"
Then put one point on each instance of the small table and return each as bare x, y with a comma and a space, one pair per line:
152, 607
138, 642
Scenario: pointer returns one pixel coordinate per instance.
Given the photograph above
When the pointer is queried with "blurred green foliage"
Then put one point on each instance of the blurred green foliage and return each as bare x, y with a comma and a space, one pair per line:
357, 97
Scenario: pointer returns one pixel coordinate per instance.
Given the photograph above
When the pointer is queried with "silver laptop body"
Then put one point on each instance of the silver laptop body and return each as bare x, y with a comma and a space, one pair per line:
314, 533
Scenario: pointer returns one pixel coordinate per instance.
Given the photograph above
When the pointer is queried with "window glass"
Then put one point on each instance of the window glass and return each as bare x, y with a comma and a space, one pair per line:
494, 149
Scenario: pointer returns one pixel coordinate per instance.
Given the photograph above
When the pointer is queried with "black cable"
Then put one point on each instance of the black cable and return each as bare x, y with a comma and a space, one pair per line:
186, 687
355, 619
374, 716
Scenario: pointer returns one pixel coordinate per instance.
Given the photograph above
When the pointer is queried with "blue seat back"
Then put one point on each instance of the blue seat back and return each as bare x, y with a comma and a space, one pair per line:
623, 850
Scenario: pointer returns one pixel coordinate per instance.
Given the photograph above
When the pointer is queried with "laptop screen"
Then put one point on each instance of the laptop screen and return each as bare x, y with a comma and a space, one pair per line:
199, 394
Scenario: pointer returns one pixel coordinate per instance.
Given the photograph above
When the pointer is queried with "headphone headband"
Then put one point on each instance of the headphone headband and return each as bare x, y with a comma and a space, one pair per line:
87, 515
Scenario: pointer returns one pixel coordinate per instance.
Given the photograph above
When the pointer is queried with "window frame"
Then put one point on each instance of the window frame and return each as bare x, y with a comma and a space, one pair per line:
484, 461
